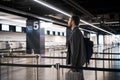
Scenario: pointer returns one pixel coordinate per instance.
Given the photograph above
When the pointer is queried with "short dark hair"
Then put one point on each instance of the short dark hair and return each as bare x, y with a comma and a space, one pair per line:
76, 19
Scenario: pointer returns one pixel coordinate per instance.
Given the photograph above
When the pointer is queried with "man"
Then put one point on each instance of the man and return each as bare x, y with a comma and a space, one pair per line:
76, 49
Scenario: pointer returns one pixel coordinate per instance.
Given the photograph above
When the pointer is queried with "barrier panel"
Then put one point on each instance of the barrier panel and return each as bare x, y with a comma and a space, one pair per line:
15, 59
58, 66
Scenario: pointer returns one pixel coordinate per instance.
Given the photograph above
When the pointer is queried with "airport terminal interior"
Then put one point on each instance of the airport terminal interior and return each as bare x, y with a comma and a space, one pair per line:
34, 35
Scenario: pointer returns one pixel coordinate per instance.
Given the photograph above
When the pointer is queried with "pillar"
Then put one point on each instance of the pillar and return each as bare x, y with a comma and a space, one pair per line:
35, 37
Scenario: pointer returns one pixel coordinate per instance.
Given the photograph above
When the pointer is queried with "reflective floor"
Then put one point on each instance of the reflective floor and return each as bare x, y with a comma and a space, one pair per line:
24, 73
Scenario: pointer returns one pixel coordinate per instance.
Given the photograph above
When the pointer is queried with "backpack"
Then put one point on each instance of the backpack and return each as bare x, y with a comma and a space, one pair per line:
89, 49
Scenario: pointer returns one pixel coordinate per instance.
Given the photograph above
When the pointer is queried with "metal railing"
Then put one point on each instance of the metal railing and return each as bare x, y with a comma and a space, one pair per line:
58, 66
109, 59
11, 58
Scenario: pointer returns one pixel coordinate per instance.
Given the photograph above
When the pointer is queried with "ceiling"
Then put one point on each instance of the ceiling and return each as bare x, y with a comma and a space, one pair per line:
9, 19
104, 14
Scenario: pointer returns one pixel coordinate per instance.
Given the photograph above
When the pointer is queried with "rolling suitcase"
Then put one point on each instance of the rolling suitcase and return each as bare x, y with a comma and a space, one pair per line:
70, 75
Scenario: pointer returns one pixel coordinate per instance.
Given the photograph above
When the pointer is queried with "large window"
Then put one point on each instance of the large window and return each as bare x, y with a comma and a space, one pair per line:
54, 33
63, 34
5, 27
0, 27
101, 39
48, 32
23, 29
58, 33
12, 28
18, 29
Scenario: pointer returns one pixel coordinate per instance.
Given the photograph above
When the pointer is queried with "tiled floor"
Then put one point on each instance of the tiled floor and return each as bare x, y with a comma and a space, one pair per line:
23, 73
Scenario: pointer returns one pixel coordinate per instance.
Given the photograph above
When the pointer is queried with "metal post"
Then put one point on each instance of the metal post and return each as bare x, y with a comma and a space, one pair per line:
11, 55
95, 67
118, 47
12, 63
12, 68
34, 69
103, 66
32, 62
50, 54
54, 54
8, 69
58, 70
37, 57
0, 68
62, 62
109, 57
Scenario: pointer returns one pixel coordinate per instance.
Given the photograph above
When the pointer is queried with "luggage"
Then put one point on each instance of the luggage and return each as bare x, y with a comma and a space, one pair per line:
89, 49
70, 75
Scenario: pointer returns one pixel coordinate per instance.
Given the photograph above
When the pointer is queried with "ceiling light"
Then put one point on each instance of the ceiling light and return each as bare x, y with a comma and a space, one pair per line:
52, 7
96, 27
58, 10
55, 16
87, 30
14, 20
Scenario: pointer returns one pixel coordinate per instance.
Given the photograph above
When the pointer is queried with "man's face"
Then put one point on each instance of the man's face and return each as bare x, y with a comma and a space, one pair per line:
70, 22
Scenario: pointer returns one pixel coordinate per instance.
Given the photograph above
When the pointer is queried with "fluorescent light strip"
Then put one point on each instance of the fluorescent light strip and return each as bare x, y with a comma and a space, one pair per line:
51, 7
87, 30
58, 10
14, 20
96, 27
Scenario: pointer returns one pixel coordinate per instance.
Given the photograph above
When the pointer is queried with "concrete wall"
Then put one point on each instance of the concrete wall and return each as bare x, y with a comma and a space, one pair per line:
12, 36
15, 40
55, 40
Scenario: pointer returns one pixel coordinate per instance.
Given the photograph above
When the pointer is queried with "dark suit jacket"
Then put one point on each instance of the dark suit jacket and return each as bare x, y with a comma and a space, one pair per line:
76, 54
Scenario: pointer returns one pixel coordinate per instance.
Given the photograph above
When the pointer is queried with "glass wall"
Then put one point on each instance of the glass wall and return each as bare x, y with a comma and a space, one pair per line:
55, 35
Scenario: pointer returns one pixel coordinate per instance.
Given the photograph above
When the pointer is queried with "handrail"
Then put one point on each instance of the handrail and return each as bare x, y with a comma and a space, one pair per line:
53, 57
110, 48
105, 59
91, 68
10, 51
97, 46
107, 53
1, 56
113, 59
24, 65
60, 66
